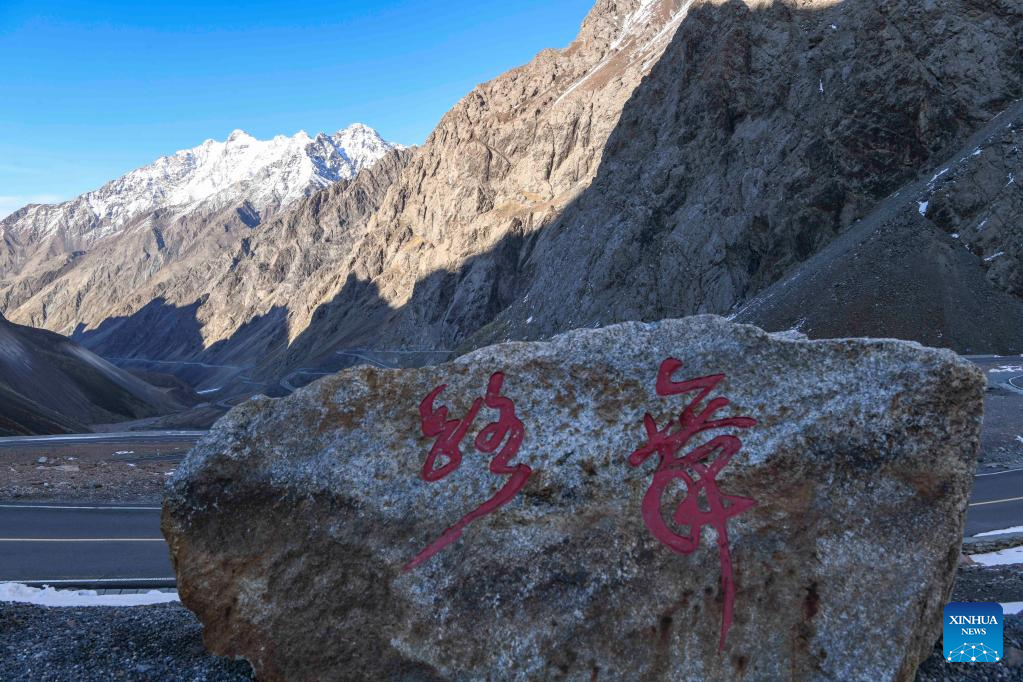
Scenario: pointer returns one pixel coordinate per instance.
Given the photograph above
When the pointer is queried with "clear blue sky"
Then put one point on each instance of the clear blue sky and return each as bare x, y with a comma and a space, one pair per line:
90, 89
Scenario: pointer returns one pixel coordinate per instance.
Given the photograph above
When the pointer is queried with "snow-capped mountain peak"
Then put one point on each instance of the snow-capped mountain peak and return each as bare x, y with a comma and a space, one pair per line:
266, 174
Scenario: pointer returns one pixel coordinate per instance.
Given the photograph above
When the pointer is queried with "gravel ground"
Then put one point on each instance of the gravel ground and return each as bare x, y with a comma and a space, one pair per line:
164, 643
125, 471
935, 669
139, 643
989, 583
84, 480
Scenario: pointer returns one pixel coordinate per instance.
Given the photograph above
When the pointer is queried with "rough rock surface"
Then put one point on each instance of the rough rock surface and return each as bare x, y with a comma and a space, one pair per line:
291, 525
937, 262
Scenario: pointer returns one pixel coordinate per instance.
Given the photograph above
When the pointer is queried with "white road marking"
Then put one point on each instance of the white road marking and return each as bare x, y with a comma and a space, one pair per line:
1008, 499
96, 580
998, 473
81, 540
57, 506
134, 435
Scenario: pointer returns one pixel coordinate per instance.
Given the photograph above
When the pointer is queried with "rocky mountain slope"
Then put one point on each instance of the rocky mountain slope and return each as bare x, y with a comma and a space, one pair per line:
729, 153
679, 157
764, 131
50, 385
65, 264
938, 261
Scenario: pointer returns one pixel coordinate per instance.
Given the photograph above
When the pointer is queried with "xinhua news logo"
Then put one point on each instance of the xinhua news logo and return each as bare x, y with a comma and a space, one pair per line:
972, 632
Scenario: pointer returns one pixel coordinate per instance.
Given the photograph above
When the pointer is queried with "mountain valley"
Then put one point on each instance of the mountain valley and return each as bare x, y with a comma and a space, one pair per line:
679, 157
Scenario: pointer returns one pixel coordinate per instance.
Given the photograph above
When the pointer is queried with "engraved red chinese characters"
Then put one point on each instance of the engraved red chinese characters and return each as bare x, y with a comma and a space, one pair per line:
449, 434
696, 470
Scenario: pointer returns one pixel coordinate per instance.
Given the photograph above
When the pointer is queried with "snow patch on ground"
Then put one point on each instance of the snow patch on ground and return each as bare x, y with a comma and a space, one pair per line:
1003, 531
1003, 557
47, 596
1005, 369
923, 207
1011, 607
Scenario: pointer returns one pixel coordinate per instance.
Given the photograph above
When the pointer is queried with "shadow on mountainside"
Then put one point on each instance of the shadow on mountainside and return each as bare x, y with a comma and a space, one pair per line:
759, 136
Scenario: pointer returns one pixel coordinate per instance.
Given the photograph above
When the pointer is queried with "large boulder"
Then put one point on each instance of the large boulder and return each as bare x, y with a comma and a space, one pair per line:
689, 499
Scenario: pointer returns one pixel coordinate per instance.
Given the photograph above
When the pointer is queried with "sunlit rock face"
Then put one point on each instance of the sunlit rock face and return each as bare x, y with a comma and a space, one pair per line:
687, 499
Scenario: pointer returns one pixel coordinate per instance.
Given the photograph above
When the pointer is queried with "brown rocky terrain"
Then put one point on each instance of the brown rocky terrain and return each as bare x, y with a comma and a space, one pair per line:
678, 157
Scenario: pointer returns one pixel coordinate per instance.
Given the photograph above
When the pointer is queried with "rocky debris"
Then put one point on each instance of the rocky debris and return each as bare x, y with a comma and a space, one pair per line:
979, 204
989, 583
945, 243
97, 644
164, 643
992, 543
89, 471
86, 479
339, 533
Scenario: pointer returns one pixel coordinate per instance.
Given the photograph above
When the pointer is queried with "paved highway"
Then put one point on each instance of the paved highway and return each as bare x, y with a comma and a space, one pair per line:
83, 545
997, 502
103, 438
96, 545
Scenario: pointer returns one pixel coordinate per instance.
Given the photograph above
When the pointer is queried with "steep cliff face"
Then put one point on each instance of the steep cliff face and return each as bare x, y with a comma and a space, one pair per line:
505, 160
678, 157
441, 257
757, 132
764, 131
936, 262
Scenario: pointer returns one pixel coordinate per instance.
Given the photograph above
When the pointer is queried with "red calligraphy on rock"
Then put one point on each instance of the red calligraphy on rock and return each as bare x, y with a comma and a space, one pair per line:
446, 454
696, 470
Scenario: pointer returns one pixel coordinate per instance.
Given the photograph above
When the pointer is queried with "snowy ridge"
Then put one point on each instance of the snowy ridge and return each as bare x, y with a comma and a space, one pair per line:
265, 173
637, 25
